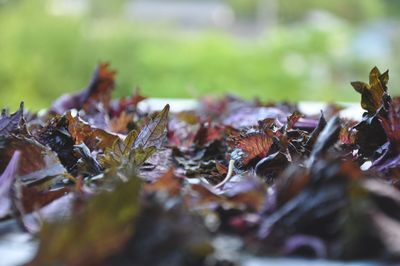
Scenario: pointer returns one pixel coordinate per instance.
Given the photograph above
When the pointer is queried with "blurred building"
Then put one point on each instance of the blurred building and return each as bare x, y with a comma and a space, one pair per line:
205, 14
183, 14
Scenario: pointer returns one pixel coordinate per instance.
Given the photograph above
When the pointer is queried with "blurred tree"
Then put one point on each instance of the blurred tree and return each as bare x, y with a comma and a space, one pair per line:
392, 7
244, 9
106, 8
351, 10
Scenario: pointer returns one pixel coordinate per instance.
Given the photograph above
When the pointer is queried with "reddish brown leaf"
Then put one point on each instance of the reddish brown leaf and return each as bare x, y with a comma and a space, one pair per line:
94, 138
249, 147
119, 124
292, 119
222, 169
34, 199
98, 92
37, 161
347, 136
168, 183
208, 132
100, 87
126, 104
391, 125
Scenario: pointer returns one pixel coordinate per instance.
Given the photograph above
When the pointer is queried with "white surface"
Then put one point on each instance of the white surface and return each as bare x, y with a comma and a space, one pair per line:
176, 105
259, 261
16, 249
353, 110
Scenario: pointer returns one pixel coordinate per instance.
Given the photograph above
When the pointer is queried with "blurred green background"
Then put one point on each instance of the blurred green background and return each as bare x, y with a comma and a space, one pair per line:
274, 49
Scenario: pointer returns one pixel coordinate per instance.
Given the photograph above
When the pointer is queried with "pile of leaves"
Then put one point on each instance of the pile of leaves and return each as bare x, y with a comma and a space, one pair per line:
99, 181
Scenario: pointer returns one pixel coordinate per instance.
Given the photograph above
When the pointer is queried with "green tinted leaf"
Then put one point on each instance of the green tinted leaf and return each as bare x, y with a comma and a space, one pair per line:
154, 132
138, 147
100, 229
114, 156
129, 140
371, 94
139, 155
359, 86
384, 78
374, 75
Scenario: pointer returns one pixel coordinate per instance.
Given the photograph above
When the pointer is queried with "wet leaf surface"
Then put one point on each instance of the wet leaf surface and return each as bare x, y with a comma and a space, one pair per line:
98, 181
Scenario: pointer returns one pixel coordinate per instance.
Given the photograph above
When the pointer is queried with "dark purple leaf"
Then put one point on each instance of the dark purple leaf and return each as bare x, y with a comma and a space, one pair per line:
6, 181
10, 123
271, 166
328, 136
298, 244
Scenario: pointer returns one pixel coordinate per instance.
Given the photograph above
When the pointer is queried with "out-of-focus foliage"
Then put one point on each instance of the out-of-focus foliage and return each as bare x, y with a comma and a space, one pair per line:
294, 10
353, 10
